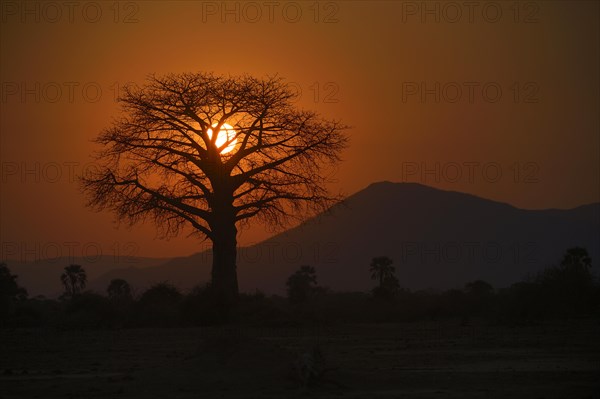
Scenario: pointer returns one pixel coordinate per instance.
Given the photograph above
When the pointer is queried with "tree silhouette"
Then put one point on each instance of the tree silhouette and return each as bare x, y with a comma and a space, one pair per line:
9, 291
381, 268
569, 286
118, 290
301, 283
159, 305
577, 259
9, 285
161, 160
160, 294
74, 280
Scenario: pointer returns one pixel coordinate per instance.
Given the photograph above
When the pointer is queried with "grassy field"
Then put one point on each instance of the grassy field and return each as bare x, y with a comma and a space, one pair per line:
409, 360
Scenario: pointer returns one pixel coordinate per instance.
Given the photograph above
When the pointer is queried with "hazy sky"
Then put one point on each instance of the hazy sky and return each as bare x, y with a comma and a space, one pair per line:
492, 99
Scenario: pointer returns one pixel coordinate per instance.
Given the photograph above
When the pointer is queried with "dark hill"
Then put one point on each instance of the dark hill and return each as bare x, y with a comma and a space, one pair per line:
437, 239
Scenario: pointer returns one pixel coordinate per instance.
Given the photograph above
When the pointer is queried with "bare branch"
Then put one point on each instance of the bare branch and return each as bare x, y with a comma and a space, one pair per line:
159, 162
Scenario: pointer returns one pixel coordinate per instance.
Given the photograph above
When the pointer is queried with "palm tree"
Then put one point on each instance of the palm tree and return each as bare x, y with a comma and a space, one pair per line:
74, 279
382, 269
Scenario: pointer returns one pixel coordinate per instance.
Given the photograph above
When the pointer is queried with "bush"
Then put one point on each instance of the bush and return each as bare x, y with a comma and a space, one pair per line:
159, 306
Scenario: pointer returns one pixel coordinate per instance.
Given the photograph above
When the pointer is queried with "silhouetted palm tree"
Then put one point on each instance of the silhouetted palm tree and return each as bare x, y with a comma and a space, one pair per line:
74, 279
382, 269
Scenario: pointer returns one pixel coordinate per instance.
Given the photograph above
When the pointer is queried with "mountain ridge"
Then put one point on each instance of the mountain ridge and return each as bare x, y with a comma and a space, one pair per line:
406, 221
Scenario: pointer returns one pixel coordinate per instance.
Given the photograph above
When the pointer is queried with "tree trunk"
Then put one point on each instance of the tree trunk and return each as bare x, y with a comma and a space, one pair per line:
224, 270
224, 273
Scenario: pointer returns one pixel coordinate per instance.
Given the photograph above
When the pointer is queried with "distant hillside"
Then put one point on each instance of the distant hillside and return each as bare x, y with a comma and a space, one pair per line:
437, 239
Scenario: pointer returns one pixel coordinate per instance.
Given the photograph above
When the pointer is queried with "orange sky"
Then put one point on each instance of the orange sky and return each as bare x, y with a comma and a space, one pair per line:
422, 97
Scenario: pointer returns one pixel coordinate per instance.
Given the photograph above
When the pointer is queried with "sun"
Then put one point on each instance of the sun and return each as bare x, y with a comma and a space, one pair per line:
226, 133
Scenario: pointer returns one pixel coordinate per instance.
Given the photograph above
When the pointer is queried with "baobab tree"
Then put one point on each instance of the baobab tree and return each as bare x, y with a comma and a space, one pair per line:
212, 152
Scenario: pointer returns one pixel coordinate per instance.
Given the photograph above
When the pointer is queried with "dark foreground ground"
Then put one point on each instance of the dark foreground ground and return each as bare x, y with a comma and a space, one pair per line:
410, 360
